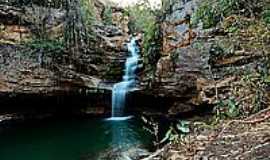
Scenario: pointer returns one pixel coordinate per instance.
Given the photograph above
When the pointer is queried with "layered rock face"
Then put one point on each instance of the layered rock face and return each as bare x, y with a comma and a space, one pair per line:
192, 69
180, 65
199, 66
46, 69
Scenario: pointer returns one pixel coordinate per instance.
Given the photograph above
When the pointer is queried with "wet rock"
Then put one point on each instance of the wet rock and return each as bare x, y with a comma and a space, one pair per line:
99, 110
179, 107
6, 117
132, 153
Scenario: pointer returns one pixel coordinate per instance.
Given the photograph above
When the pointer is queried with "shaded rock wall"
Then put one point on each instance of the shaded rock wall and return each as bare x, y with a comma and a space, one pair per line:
211, 66
33, 70
180, 65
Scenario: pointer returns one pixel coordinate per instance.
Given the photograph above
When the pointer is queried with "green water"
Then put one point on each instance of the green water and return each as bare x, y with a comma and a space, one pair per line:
69, 139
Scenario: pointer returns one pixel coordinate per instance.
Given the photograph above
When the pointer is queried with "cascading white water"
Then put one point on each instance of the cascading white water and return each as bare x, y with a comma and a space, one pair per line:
129, 80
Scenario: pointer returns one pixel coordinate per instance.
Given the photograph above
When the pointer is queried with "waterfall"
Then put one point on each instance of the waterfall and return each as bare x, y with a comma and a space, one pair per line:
129, 80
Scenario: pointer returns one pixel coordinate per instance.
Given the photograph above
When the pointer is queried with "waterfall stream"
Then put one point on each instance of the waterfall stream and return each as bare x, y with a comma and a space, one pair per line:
129, 81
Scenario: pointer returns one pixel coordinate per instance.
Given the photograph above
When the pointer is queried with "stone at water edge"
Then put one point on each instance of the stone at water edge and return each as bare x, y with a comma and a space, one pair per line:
133, 153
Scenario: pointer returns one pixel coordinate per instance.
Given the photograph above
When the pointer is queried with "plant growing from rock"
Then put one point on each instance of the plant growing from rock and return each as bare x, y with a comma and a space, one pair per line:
153, 128
266, 16
177, 132
210, 13
144, 19
79, 18
227, 108
107, 15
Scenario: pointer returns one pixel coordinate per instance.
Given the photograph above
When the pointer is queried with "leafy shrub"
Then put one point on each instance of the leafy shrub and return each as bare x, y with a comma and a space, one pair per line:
266, 16
41, 49
177, 133
207, 14
88, 11
145, 20
47, 45
227, 108
107, 15
212, 12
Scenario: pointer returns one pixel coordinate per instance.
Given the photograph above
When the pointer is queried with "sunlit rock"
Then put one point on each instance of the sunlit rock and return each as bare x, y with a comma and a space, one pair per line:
154, 4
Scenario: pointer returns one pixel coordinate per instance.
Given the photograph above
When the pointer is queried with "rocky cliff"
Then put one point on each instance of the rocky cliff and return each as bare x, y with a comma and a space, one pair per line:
180, 65
44, 53
210, 66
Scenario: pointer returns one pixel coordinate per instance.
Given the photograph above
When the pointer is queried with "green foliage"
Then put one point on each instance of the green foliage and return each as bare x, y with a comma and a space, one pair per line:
107, 15
88, 11
227, 108
170, 136
183, 126
228, 7
88, 18
210, 13
257, 81
232, 29
207, 14
267, 79
47, 45
144, 20
266, 16
176, 134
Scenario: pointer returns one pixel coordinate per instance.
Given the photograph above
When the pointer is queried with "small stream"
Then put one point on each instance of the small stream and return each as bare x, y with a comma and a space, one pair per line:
71, 139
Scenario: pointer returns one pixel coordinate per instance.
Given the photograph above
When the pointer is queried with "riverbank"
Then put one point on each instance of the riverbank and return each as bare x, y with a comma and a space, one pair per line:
59, 59
232, 49
228, 139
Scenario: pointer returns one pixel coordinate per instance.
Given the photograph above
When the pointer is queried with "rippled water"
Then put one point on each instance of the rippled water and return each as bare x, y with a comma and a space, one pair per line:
70, 139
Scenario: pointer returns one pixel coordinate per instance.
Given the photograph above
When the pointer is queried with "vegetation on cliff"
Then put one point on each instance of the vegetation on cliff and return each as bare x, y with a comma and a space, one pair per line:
206, 62
233, 38
145, 20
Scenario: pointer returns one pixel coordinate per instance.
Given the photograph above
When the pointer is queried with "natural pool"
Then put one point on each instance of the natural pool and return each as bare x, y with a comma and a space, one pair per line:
70, 139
